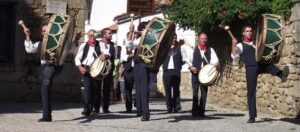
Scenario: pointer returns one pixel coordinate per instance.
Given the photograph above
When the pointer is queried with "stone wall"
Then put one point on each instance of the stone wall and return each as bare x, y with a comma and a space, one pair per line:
19, 81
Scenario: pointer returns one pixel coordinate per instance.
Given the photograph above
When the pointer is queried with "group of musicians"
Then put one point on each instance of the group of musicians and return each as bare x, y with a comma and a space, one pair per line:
138, 75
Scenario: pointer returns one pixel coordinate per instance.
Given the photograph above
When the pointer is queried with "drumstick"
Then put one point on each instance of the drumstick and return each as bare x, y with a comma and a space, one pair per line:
21, 23
229, 32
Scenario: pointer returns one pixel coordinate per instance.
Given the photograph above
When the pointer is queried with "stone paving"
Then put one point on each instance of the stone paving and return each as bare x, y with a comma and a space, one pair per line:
22, 117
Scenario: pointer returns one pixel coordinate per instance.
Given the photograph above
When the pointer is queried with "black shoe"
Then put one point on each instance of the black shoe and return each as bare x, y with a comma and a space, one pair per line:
169, 111
284, 74
138, 115
96, 112
145, 118
251, 120
195, 114
45, 120
85, 113
128, 111
177, 109
106, 111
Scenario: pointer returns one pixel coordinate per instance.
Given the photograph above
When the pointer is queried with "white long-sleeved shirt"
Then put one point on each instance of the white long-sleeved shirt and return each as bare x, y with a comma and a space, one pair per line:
172, 53
90, 57
239, 50
129, 44
213, 57
32, 48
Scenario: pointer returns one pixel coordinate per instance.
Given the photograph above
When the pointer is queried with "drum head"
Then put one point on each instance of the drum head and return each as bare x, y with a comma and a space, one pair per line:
96, 67
208, 74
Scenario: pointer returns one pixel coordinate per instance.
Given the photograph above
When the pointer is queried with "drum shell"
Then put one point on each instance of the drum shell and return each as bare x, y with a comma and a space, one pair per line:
269, 38
160, 51
100, 69
57, 39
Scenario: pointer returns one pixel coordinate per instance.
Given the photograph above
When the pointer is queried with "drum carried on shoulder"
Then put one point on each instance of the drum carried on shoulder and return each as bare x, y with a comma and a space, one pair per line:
100, 69
57, 39
269, 38
156, 42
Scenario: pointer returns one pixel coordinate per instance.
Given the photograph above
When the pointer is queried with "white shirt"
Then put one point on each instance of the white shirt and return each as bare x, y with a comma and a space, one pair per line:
172, 53
239, 50
32, 48
213, 57
129, 44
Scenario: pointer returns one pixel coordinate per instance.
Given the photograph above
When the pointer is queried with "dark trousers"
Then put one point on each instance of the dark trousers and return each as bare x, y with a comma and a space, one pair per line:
89, 92
141, 82
129, 82
198, 108
48, 71
152, 78
103, 87
251, 79
171, 79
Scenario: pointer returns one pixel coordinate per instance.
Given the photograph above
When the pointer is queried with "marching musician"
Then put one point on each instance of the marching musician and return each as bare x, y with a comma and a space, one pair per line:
246, 51
105, 85
171, 75
87, 53
202, 55
142, 79
47, 71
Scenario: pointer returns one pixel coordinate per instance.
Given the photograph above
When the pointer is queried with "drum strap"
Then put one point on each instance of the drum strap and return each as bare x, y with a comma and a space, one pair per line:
86, 50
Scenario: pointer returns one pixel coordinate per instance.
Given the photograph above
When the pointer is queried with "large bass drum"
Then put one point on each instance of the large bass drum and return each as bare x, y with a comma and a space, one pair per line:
156, 42
208, 74
269, 38
100, 69
57, 39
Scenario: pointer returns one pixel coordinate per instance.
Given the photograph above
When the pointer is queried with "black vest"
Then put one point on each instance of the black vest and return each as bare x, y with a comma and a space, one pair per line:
177, 59
198, 59
86, 50
248, 55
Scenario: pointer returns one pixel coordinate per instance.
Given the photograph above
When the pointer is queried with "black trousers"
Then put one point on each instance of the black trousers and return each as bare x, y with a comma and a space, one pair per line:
251, 79
129, 83
89, 92
47, 72
103, 88
171, 79
141, 78
198, 108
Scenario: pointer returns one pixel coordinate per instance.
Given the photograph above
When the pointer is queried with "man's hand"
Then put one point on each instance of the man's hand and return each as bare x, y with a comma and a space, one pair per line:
181, 42
27, 33
103, 57
234, 42
82, 70
194, 69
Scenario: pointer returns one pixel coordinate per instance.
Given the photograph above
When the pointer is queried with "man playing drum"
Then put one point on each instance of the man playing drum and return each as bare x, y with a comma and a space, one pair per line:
87, 53
105, 85
246, 51
202, 55
171, 75
47, 72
